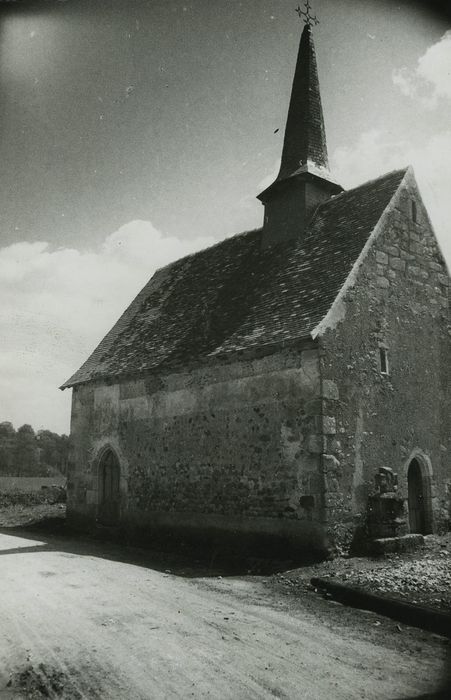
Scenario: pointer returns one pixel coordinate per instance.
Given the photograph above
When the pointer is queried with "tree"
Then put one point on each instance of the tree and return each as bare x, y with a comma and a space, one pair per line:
26, 455
53, 451
23, 453
48, 448
7, 446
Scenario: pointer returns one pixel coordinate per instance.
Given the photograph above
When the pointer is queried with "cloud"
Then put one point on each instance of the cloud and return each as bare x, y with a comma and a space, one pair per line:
269, 179
58, 304
430, 81
375, 153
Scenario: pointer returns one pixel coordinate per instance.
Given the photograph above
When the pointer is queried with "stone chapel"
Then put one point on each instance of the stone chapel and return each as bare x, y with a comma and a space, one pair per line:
255, 390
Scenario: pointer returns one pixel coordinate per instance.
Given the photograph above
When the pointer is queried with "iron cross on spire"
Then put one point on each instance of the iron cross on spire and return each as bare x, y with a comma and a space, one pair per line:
307, 14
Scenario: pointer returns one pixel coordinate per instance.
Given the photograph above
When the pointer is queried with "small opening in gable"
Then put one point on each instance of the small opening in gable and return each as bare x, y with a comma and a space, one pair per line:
414, 211
383, 356
307, 502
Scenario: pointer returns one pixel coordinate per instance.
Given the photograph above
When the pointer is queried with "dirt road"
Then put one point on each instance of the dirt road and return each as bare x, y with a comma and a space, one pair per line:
114, 629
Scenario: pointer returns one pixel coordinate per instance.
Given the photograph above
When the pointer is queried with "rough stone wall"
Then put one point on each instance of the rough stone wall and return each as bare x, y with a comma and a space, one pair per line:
232, 446
399, 303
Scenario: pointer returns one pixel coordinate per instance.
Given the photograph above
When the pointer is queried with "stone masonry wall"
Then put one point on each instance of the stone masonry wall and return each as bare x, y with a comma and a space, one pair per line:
399, 303
231, 446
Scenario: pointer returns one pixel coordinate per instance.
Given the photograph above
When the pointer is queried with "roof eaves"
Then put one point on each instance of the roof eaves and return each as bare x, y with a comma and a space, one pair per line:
211, 358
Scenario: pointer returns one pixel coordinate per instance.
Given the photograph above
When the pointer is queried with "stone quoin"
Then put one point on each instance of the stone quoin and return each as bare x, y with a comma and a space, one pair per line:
255, 389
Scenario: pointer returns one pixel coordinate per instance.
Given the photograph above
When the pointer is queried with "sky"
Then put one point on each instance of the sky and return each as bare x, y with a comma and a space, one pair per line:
133, 132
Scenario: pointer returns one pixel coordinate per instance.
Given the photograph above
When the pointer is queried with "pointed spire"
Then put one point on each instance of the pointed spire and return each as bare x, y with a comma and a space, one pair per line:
304, 180
305, 137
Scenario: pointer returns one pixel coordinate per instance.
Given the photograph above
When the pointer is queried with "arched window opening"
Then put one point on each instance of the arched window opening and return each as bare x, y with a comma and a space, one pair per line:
109, 489
419, 498
383, 358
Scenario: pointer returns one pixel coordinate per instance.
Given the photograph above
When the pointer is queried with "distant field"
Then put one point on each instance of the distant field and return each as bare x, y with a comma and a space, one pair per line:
29, 484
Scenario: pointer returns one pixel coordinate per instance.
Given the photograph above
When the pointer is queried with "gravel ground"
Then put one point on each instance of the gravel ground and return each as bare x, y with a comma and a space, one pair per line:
423, 577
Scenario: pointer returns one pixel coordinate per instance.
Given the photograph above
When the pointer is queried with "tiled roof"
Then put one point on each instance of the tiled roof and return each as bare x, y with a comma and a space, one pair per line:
234, 295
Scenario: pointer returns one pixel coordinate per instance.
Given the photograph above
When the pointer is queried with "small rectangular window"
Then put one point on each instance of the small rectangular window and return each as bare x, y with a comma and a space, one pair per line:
383, 353
414, 211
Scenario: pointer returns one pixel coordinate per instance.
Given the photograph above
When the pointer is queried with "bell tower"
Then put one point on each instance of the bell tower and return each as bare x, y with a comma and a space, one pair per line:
304, 180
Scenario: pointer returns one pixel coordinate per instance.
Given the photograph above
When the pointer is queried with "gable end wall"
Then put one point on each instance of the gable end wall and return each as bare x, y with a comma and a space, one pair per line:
400, 300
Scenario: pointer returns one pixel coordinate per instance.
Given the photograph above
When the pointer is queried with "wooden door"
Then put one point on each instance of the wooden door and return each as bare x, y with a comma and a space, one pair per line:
109, 488
417, 519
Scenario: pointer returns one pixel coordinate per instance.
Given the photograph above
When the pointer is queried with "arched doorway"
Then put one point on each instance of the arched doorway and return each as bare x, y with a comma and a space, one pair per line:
419, 497
109, 489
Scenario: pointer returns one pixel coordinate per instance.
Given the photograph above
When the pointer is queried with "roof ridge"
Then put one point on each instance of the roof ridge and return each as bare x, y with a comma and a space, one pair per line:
336, 197
370, 182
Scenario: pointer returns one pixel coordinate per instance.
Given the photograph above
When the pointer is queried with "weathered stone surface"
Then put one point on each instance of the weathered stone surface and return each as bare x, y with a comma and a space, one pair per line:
315, 444
330, 463
91, 497
397, 263
416, 249
329, 390
393, 251
234, 442
381, 257
413, 271
329, 426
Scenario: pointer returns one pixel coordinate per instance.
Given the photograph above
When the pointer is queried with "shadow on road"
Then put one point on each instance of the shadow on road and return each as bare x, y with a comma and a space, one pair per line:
184, 561
443, 694
443, 688
178, 558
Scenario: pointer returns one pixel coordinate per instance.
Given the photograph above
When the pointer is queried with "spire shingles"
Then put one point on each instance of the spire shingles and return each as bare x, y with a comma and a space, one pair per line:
305, 138
304, 180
